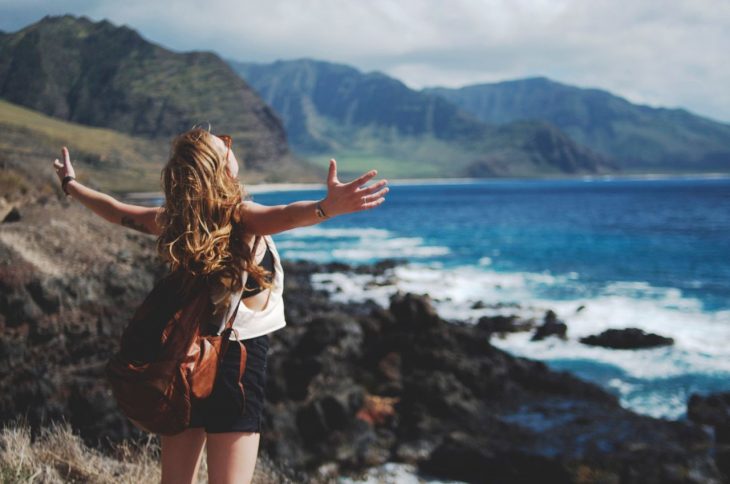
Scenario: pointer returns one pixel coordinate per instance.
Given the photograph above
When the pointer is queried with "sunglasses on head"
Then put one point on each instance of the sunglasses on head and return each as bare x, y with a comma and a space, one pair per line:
228, 142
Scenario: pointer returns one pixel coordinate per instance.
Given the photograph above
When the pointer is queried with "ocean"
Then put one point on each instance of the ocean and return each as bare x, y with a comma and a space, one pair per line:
652, 253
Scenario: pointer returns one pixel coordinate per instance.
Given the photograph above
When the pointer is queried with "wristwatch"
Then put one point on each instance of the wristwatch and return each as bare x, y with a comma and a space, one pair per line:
320, 213
64, 182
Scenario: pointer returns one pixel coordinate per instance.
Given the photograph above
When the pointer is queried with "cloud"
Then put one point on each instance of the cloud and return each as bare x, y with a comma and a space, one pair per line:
670, 53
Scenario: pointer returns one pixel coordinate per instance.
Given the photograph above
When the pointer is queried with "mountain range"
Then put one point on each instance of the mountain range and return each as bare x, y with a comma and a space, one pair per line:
116, 99
638, 137
334, 108
328, 106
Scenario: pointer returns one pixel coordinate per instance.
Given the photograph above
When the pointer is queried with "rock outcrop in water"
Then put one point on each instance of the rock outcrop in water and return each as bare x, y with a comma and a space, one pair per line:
551, 326
349, 385
628, 338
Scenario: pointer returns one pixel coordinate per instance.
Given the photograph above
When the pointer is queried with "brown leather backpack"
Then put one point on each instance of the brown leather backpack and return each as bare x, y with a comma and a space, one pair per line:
165, 361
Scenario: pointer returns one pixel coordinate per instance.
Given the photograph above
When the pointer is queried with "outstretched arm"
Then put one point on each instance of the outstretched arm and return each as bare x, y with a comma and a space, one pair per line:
341, 198
107, 207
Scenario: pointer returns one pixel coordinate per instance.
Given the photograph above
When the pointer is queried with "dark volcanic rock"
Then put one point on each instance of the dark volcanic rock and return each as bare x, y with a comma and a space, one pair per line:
62, 319
504, 324
12, 216
550, 326
628, 338
457, 406
714, 410
412, 311
461, 456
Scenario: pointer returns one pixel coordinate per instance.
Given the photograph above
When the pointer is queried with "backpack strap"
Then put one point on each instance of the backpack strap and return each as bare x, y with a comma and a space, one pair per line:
255, 246
241, 370
229, 328
268, 296
243, 352
229, 324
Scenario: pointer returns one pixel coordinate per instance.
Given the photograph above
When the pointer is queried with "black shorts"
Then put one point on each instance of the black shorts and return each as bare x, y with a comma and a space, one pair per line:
221, 411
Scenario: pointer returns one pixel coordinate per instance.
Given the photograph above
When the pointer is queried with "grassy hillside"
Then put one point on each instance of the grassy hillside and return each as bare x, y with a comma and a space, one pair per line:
638, 137
401, 158
109, 160
112, 161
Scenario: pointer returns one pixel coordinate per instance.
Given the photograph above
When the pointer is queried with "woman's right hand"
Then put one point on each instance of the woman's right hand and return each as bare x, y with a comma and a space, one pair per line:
352, 196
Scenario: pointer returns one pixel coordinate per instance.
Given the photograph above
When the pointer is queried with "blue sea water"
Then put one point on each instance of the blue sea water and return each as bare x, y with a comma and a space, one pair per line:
601, 253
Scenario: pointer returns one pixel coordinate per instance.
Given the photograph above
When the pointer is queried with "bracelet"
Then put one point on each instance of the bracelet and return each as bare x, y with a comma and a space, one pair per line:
64, 182
320, 212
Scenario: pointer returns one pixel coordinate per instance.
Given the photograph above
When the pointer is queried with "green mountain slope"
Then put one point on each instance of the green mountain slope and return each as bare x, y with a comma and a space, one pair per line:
98, 74
637, 137
111, 161
374, 120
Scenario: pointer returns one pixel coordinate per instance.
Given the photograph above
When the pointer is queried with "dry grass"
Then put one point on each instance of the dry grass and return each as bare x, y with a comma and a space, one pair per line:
11, 181
116, 161
58, 455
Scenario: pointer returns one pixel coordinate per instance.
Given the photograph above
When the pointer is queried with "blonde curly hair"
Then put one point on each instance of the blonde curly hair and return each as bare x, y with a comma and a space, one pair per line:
201, 235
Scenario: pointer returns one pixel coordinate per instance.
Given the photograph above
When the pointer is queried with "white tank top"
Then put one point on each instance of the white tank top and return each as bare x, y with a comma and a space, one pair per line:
250, 323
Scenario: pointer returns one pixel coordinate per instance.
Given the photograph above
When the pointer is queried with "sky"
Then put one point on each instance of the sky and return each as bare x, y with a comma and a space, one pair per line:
668, 53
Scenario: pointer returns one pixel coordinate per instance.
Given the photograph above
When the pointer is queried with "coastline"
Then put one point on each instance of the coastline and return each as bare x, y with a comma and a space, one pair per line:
296, 186
351, 386
566, 177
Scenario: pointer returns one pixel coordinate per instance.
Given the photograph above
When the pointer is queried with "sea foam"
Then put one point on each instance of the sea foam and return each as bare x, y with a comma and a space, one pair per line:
700, 337
654, 381
354, 245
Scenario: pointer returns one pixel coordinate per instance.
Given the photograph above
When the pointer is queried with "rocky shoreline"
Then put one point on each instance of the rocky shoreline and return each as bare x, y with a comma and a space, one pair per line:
456, 406
350, 386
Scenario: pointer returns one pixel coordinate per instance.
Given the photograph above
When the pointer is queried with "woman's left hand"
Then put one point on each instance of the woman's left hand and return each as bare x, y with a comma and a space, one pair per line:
352, 196
64, 168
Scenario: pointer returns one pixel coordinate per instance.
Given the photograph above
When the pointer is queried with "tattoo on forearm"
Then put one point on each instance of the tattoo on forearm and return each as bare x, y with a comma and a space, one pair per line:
129, 222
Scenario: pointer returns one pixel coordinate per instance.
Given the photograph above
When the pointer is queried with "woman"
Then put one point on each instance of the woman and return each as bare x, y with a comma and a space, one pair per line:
207, 228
